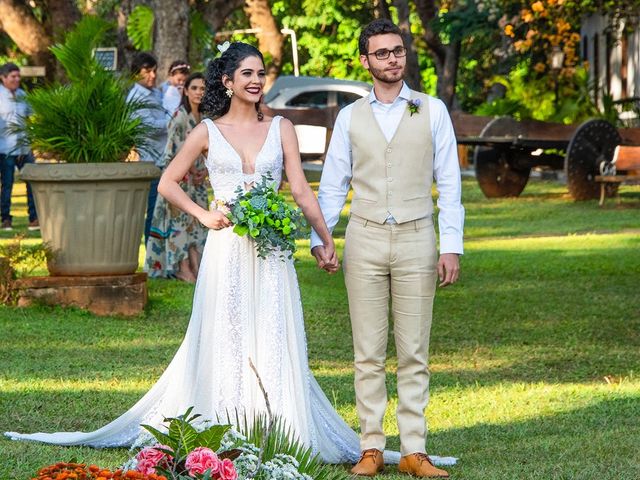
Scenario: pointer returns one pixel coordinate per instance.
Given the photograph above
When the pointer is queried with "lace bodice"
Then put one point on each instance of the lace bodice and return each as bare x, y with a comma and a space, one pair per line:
225, 165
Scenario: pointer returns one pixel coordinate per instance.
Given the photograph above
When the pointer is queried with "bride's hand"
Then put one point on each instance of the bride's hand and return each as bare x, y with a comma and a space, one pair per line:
214, 219
327, 257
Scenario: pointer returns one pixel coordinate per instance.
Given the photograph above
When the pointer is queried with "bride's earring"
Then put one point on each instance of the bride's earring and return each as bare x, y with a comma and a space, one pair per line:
229, 92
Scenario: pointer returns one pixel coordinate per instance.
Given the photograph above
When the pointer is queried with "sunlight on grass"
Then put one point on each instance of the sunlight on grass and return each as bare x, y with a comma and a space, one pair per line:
32, 385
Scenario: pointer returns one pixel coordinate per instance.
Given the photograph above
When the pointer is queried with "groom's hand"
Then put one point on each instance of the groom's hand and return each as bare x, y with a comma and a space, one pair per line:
448, 269
326, 258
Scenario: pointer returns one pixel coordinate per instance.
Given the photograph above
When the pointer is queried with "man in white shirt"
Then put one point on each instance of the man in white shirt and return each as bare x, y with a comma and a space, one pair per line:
13, 151
145, 67
389, 147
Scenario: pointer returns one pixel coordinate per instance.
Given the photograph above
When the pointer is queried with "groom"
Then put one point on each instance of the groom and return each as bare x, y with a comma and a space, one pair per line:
389, 147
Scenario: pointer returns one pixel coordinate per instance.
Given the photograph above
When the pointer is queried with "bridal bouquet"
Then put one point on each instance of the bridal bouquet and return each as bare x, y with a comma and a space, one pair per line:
267, 218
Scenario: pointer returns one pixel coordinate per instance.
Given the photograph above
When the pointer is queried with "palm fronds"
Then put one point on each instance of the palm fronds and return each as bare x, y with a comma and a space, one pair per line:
89, 119
281, 440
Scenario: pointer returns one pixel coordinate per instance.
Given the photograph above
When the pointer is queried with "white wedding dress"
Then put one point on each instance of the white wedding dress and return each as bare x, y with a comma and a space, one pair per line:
244, 307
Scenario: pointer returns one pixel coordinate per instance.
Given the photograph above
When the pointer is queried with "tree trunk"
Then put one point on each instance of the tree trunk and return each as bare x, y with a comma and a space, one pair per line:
270, 40
446, 57
412, 75
381, 9
171, 36
31, 37
448, 75
125, 47
215, 12
63, 15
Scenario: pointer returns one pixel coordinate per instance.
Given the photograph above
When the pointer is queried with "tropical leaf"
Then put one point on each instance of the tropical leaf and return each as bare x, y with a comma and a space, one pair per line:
184, 434
160, 436
140, 27
76, 53
212, 436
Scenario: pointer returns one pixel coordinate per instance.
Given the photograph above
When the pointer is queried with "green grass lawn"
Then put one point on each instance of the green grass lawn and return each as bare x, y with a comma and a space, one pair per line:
535, 353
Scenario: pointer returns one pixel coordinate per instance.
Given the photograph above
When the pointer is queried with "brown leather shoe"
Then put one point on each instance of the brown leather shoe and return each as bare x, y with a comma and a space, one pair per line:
420, 465
371, 463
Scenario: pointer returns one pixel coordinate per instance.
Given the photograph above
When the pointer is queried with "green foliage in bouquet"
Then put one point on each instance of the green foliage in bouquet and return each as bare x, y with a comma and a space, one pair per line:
88, 119
265, 216
182, 437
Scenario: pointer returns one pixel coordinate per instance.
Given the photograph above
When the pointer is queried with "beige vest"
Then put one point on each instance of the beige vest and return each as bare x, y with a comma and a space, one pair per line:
391, 177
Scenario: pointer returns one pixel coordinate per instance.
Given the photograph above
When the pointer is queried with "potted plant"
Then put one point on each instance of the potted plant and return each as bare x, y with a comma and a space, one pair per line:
91, 202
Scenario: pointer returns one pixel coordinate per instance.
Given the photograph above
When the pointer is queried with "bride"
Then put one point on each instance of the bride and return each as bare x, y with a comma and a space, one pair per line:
244, 307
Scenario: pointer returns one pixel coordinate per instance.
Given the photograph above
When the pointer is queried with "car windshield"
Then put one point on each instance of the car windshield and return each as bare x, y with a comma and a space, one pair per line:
310, 99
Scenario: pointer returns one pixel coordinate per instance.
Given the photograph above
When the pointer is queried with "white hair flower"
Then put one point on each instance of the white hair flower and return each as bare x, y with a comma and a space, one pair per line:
223, 48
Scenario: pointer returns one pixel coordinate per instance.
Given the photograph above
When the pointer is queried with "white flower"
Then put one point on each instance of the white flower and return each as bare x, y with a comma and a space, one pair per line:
223, 48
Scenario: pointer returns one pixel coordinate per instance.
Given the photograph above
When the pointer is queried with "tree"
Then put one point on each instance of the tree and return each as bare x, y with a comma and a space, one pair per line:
171, 36
270, 40
412, 76
34, 26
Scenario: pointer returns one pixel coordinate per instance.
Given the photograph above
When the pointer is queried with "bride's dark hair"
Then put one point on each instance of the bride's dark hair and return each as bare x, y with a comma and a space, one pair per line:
215, 101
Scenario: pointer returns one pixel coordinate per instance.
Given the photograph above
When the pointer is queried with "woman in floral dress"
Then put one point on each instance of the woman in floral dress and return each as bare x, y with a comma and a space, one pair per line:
177, 239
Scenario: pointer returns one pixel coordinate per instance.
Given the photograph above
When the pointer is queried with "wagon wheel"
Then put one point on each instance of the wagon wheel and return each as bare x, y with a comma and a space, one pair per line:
592, 143
496, 168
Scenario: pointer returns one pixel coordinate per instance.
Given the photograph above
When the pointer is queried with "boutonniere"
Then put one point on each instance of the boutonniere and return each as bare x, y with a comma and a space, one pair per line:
414, 106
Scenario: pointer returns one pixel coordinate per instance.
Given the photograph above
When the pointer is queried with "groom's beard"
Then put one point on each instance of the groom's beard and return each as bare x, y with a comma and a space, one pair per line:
387, 76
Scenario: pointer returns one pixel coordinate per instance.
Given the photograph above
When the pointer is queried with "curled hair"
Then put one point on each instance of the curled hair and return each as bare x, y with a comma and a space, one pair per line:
379, 26
184, 101
215, 102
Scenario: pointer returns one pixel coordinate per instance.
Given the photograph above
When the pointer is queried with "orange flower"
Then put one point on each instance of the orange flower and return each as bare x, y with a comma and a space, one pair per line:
508, 31
537, 7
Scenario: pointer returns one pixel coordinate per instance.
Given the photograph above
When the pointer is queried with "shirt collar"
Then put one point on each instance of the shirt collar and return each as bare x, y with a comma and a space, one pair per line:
405, 94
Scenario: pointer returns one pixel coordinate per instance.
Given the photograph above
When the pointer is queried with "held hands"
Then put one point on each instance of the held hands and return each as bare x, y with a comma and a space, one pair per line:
214, 219
448, 269
326, 257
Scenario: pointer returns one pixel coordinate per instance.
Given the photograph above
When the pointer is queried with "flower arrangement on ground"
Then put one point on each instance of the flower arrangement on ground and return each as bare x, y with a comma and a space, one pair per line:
193, 448
264, 215
196, 449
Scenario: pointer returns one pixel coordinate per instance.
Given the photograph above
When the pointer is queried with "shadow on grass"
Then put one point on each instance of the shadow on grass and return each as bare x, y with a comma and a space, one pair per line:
598, 442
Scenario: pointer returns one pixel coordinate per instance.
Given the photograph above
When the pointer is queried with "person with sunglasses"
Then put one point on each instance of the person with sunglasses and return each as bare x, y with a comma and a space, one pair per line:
389, 147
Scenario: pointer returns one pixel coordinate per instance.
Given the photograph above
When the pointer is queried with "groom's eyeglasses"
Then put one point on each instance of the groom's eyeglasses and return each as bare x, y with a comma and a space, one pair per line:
384, 53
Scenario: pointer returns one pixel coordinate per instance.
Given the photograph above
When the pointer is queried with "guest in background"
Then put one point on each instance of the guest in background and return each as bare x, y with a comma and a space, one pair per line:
144, 67
172, 87
176, 240
14, 152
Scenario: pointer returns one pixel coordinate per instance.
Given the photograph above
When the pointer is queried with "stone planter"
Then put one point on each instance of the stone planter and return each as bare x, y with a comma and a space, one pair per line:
92, 214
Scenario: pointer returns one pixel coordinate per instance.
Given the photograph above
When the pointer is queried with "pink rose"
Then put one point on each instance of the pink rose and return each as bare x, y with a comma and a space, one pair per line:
202, 459
228, 470
149, 458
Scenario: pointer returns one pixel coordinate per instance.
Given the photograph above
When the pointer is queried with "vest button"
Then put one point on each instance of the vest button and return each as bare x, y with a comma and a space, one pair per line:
389, 165
390, 179
388, 150
389, 194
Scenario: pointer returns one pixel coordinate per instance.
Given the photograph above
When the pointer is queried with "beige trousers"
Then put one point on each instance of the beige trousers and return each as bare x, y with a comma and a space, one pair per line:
385, 262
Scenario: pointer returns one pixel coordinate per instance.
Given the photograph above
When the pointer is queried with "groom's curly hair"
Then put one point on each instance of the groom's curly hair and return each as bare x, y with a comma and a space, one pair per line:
379, 26
215, 102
